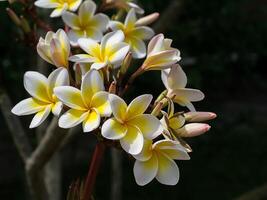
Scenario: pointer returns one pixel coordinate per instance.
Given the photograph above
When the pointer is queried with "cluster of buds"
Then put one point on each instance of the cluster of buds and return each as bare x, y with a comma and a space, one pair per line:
90, 79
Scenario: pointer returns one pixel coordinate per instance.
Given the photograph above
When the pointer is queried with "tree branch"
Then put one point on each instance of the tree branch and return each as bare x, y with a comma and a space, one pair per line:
16, 129
259, 193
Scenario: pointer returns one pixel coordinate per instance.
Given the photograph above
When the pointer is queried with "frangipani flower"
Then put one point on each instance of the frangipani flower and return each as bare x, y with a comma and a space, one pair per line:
130, 125
86, 105
157, 160
134, 35
111, 51
43, 99
160, 54
175, 81
86, 24
59, 5
199, 116
55, 48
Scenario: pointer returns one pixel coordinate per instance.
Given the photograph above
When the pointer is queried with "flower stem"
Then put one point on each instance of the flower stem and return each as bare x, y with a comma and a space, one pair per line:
93, 170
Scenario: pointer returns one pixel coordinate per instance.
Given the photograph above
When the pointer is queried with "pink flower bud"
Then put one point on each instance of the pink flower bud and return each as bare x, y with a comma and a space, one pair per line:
149, 19
193, 129
199, 116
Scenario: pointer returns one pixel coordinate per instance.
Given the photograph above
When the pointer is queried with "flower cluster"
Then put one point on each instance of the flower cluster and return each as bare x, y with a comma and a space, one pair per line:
92, 57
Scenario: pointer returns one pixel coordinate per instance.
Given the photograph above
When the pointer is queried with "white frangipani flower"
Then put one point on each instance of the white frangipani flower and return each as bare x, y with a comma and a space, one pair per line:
160, 54
134, 35
87, 105
175, 81
130, 125
111, 51
55, 48
43, 100
157, 160
59, 5
86, 24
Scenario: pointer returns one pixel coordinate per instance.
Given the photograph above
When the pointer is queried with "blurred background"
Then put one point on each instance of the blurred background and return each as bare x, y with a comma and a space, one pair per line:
224, 54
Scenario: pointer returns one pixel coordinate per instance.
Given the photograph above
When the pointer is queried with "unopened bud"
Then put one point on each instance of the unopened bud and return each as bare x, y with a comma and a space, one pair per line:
126, 63
149, 19
193, 129
157, 109
13, 16
112, 88
199, 116
161, 96
25, 25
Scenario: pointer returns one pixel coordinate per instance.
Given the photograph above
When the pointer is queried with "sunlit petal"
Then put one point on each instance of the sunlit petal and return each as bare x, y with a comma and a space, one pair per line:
72, 118
146, 152
138, 47
145, 172
130, 19
101, 103
118, 107
28, 106
82, 58
57, 107
139, 105
40, 116
113, 130
92, 121
71, 20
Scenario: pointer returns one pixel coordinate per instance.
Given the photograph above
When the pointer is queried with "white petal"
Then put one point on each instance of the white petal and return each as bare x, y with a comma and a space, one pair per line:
82, 58
86, 10
71, 20
164, 78
146, 152
115, 25
57, 107
36, 85
101, 103
99, 65
72, 118
89, 46
93, 33
148, 124
143, 32
40, 117
130, 19
46, 4
117, 53
28, 106
110, 39
168, 172
155, 44
139, 105
138, 48
133, 141
91, 84
74, 5
118, 107
70, 96
137, 8
177, 78
92, 121
58, 77
113, 130
74, 35
100, 21
58, 11
145, 172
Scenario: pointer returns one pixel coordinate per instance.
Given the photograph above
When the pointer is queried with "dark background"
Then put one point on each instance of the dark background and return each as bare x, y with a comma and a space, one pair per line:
223, 46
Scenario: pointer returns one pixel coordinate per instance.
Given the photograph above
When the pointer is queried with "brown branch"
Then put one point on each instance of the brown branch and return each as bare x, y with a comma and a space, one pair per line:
16, 129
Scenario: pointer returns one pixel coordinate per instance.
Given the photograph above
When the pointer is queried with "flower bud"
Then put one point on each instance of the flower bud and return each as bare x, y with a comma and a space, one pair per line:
112, 88
193, 129
25, 25
126, 63
149, 19
199, 116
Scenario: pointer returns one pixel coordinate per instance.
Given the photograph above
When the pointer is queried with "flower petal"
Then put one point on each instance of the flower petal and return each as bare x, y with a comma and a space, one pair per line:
40, 117
90, 46
82, 58
176, 122
189, 94
36, 85
70, 96
148, 124
115, 25
58, 53
118, 107
117, 53
92, 83
176, 77
168, 172
139, 105
143, 32
74, 5
92, 121
43, 50
58, 11
46, 4
133, 141
74, 35
130, 19
86, 11
111, 39
71, 20
137, 8
28, 106
57, 107
72, 118
155, 44
173, 149
94, 34
100, 21
58, 77
113, 130
99, 65
146, 152
138, 47
101, 103
145, 172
